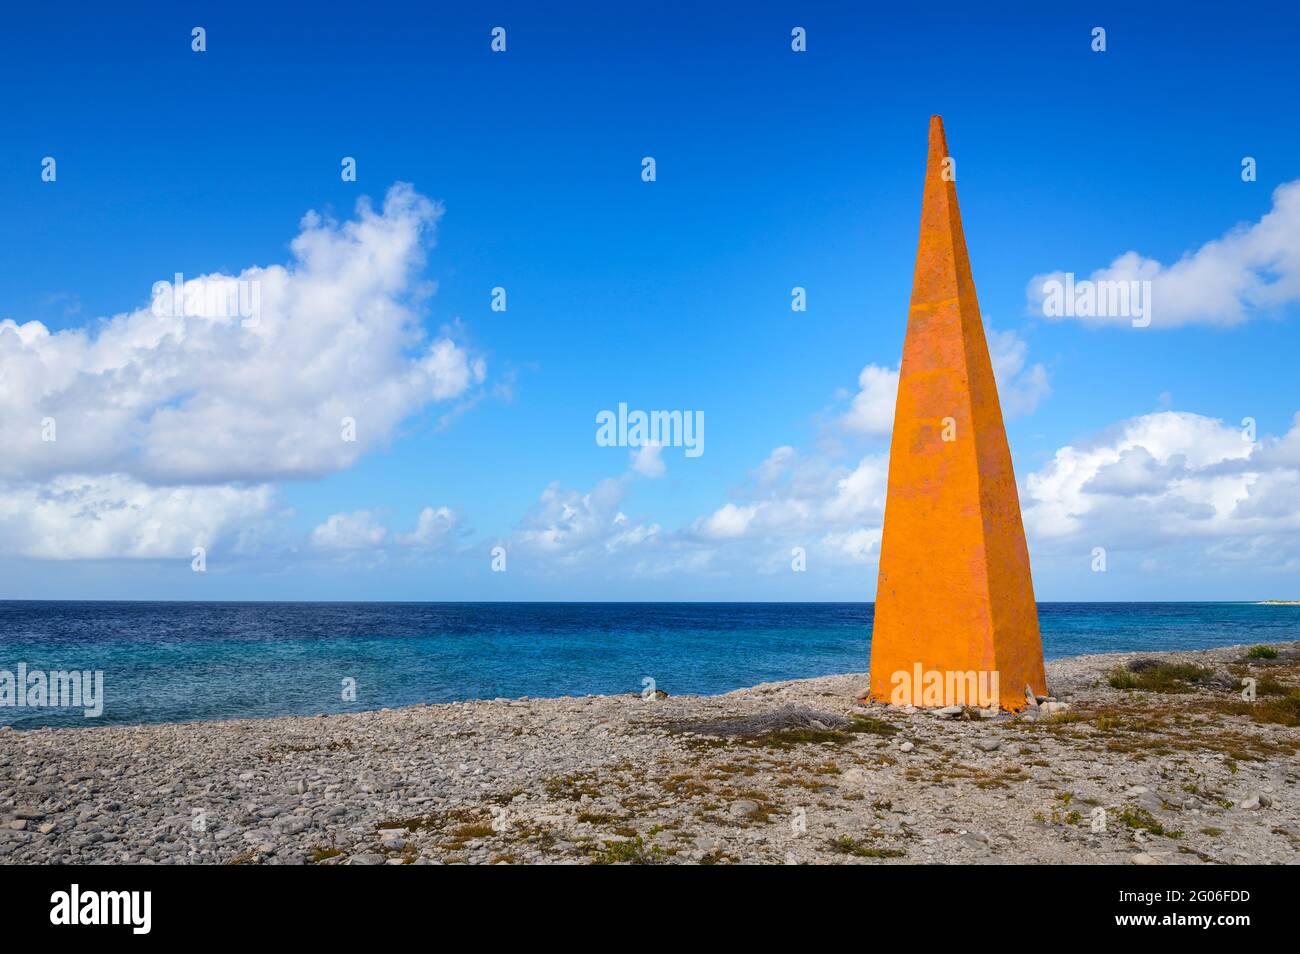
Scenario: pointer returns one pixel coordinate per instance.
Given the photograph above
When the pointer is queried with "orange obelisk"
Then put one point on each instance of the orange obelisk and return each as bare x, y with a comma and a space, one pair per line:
954, 595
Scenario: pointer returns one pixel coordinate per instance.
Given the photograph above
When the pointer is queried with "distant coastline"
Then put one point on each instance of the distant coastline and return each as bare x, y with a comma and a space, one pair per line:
1279, 603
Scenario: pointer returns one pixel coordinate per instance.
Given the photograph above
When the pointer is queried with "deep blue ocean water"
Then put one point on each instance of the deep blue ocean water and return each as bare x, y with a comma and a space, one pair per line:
176, 662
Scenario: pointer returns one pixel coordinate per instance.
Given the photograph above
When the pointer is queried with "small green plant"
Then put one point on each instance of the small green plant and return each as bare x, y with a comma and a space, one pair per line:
572, 787
1120, 678
1136, 817
634, 851
466, 832
1270, 708
1160, 677
1065, 718
847, 845
1268, 685
1261, 652
872, 726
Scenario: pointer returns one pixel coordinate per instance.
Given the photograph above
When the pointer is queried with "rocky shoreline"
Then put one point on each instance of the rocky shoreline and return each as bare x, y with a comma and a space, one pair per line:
1138, 758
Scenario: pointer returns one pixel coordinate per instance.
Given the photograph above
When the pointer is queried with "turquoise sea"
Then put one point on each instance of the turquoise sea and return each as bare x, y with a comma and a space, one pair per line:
175, 662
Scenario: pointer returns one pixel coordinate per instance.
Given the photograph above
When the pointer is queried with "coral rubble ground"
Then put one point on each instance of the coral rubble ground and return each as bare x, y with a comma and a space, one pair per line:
1151, 759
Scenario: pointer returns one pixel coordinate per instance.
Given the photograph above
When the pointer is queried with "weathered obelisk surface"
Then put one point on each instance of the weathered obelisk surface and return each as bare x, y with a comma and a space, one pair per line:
954, 593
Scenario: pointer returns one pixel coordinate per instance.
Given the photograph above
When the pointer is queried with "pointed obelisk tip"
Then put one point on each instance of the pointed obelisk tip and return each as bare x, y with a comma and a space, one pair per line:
938, 141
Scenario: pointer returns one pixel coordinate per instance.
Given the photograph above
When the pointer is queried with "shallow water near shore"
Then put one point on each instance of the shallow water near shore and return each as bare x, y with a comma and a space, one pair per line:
180, 662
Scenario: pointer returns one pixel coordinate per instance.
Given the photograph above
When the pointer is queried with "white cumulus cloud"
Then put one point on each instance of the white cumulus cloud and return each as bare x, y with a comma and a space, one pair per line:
648, 461
198, 404
358, 530
213, 397
1171, 478
872, 408
92, 517
1252, 269
1020, 387
433, 526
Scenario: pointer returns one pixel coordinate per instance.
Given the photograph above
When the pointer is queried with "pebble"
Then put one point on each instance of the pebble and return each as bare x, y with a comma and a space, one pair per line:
485, 782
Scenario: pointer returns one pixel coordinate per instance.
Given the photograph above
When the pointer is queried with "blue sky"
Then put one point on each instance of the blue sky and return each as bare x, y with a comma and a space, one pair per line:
774, 169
